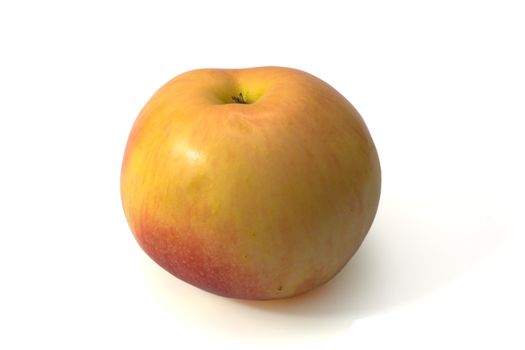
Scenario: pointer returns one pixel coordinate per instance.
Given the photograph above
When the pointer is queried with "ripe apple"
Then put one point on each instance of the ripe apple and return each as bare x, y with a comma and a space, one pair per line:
256, 183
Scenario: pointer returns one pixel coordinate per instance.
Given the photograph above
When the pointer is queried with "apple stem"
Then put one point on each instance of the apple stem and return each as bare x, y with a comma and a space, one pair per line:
239, 99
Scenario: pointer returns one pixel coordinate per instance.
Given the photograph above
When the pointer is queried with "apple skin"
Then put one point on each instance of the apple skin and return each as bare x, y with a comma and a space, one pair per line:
259, 200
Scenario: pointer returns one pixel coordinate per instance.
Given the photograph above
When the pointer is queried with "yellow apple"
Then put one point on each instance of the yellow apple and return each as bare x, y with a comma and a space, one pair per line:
256, 183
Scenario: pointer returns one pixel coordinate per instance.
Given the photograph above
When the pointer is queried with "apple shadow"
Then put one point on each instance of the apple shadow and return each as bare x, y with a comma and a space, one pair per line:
408, 254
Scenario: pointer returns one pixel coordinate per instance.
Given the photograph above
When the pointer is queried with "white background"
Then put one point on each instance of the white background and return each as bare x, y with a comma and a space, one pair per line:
440, 84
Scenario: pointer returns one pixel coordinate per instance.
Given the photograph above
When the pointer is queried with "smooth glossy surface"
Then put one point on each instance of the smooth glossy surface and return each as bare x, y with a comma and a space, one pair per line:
261, 200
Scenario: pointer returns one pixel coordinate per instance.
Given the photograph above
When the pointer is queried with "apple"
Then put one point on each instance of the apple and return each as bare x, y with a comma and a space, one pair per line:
256, 183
